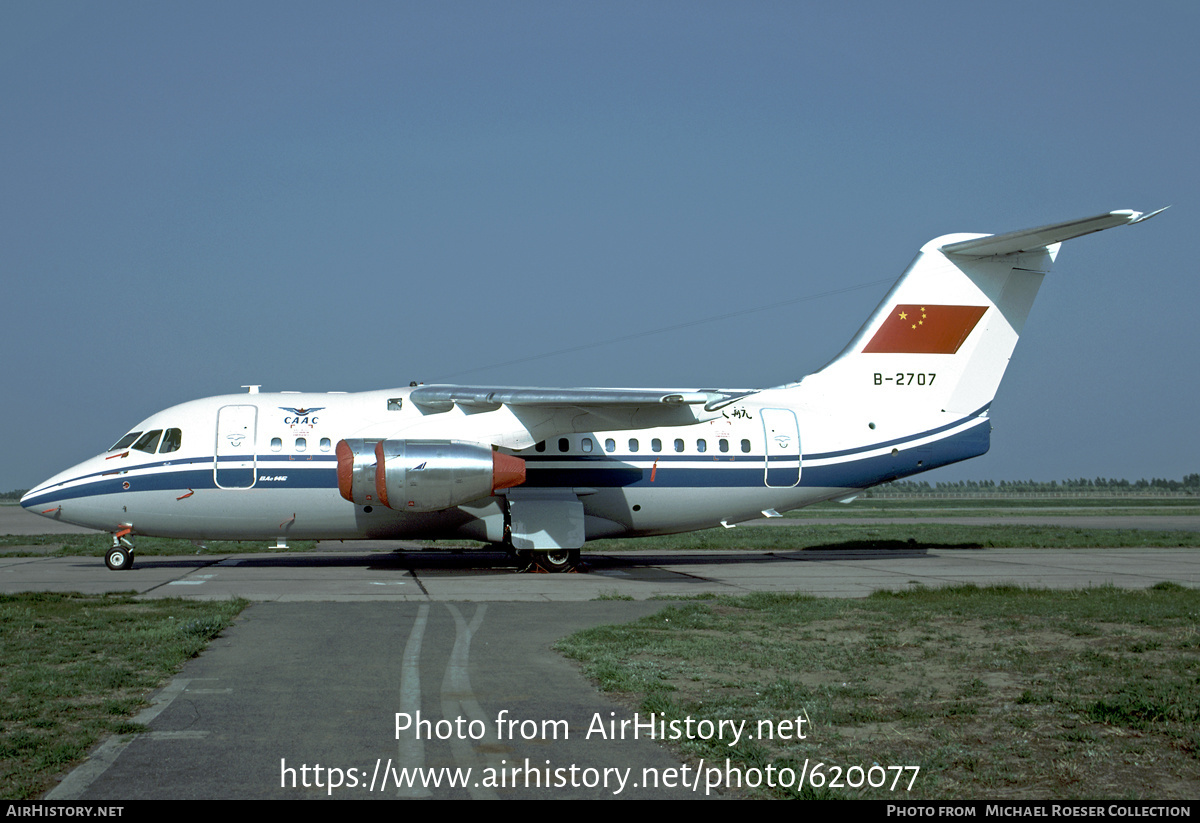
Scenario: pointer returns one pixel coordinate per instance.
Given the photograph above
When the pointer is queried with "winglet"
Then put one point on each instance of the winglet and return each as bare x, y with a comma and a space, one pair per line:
1043, 236
1145, 217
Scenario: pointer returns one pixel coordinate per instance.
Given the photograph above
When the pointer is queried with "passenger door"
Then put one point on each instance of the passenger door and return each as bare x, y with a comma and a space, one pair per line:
235, 463
782, 434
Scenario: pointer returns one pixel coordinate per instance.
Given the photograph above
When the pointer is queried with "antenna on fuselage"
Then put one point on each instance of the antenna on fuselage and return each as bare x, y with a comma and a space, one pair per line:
253, 389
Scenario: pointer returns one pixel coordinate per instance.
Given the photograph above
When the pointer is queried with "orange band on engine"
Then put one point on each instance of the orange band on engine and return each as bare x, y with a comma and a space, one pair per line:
507, 471
380, 475
345, 470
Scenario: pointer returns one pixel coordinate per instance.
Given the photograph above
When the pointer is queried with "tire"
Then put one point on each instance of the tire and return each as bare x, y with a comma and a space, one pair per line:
118, 559
557, 560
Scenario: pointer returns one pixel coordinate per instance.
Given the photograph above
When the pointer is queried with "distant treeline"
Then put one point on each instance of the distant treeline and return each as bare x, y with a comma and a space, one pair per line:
15, 494
1105, 485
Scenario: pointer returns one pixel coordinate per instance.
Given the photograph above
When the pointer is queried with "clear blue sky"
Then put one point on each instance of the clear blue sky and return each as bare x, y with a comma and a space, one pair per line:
321, 196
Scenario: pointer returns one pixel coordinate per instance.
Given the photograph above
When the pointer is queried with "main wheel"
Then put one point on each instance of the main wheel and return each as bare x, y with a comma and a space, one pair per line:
557, 560
118, 559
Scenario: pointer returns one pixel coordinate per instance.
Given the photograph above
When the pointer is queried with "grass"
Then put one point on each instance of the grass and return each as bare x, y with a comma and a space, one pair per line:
1017, 502
784, 538
994, 692
95, 545
1000, 506
788, 538
78, 667
897, 536
796, 534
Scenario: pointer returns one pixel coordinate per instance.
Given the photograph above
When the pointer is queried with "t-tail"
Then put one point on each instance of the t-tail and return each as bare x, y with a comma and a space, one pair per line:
914, 386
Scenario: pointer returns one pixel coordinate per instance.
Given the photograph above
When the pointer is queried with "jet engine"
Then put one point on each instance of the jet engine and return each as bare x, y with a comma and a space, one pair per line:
423, 475
356, 470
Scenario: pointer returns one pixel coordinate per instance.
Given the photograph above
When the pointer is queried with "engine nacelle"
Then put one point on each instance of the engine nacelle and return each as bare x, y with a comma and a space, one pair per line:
431, 475
356, 470
423, 475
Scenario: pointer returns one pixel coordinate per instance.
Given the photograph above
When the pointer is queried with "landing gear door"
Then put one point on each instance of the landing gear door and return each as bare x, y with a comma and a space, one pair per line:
546, 519
782, 434
235, 464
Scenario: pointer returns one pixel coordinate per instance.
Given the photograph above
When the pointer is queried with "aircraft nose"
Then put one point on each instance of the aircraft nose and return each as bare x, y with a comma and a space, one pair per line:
62, 499
46, 497
35, 500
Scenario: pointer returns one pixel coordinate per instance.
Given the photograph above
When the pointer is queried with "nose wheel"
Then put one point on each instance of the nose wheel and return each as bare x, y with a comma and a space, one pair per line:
120, 556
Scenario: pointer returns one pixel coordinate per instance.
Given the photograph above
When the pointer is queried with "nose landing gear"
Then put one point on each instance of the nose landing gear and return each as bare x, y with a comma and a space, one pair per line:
120, 556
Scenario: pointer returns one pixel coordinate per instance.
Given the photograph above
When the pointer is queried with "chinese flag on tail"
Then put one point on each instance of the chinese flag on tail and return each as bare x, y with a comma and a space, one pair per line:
927, 329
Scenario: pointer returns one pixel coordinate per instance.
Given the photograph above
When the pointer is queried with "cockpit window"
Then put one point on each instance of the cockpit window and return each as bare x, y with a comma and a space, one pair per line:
125, 442
171, 441
148, 442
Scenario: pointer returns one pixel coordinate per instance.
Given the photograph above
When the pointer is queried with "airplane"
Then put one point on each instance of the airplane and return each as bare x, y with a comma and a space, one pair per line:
542, 471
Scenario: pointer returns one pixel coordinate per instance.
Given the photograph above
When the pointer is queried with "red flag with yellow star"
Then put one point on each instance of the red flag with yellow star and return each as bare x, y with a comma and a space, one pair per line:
925, 329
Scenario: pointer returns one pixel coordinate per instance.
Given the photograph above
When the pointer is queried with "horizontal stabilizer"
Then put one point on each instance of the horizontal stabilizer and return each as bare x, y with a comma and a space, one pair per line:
1039, 238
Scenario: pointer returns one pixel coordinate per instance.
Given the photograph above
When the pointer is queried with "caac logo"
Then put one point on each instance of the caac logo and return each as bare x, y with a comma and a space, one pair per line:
302, 417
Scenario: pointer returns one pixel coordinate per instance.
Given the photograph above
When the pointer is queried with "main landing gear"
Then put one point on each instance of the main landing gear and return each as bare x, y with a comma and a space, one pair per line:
120, 556
553, 561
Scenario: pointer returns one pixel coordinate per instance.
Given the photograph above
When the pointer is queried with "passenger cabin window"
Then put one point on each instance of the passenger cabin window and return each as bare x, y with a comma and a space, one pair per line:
172, 440
633, 444
563, 444
125, 442
326, 444
701, 445
276, 444
678, 445
301, 444
540, 447
723, 444
586, 444
148, 442
745, 446
656, 445
610, 445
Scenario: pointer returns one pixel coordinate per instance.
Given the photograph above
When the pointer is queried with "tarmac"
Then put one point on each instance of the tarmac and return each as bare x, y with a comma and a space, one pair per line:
306, 695
377, 571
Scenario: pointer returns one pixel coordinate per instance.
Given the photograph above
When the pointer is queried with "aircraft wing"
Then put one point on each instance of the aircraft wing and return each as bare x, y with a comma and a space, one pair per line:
1043, 236
538, 414
438, 398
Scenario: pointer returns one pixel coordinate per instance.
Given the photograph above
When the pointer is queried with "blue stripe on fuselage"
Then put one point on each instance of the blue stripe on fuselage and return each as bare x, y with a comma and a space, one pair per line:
595, 471
182, 479
747, 471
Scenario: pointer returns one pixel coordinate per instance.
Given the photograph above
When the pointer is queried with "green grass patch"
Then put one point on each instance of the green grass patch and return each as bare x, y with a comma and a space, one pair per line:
95, 545
77, 667
898, 536
797, 534
867, 506
996, 692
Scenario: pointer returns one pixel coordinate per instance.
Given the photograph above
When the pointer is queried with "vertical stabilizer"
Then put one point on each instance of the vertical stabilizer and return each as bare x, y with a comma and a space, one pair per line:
942, 337
931, 356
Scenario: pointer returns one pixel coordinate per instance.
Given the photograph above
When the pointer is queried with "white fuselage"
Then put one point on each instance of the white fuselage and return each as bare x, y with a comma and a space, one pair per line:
282, 482
547, 469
